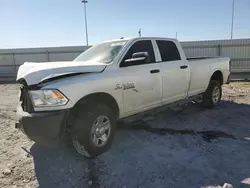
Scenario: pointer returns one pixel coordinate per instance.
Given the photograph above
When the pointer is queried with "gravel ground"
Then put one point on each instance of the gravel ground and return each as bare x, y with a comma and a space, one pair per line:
193, 147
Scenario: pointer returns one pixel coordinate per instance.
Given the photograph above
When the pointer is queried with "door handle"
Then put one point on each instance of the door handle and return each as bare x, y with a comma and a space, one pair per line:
183, 66
154, 71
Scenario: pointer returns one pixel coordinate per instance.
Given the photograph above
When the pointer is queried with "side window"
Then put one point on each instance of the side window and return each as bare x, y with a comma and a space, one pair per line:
168, 50
140, 46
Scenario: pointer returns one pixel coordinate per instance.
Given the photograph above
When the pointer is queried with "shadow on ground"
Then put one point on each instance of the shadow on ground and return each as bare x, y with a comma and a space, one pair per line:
190, 148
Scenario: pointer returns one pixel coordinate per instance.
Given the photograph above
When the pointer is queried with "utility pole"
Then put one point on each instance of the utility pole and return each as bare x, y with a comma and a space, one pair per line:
139, 32
86, 27
176, 35
232, 25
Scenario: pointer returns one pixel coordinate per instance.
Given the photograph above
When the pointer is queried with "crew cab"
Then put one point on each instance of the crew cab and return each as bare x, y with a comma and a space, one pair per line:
110, 81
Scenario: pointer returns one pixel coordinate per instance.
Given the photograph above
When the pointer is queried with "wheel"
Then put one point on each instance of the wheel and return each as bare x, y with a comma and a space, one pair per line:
212, 95
93, 129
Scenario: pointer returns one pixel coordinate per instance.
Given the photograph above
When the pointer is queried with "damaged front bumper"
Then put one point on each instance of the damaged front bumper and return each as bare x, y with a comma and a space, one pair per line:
42, 127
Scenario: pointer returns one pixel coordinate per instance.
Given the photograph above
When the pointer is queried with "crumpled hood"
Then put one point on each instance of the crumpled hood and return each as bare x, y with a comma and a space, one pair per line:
34, 73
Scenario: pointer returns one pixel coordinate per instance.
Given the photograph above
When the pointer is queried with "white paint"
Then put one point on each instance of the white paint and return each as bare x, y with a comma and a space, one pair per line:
151, 90
34, 73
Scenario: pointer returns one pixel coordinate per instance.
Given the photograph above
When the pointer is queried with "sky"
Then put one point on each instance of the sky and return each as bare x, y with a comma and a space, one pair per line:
48, 23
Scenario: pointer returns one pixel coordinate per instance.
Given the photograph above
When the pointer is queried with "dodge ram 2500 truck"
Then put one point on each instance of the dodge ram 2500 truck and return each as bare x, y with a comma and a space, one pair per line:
110, 81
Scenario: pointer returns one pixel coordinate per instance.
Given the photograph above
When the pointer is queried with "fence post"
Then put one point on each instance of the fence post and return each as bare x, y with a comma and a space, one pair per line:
14, 62
219, 50
48, 56
14, 65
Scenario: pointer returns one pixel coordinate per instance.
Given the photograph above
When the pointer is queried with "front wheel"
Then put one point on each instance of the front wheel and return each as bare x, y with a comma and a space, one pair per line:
212, 95
94, 129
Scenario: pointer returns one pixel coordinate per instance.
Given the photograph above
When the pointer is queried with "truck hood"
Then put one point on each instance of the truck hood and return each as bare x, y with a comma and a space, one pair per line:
34, 73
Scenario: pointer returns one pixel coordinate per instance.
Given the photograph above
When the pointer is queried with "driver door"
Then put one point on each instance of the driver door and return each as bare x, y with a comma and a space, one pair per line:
141, 80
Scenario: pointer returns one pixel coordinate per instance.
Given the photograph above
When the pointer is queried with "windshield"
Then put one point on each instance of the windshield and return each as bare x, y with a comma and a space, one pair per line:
102, 53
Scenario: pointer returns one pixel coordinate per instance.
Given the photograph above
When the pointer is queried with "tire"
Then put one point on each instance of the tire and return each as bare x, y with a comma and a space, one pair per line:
209, 99
86, 123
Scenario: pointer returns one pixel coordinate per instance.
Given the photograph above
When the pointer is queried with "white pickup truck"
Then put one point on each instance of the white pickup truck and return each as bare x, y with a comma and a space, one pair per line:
110, 81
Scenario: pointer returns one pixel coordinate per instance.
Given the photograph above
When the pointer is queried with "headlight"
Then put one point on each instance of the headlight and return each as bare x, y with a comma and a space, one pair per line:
42, 98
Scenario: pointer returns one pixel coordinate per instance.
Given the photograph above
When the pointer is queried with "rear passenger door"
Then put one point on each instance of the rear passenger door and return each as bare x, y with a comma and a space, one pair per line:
175, 72
141, 81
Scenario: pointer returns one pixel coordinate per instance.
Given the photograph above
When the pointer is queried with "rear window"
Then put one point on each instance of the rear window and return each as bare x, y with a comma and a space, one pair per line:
168, 50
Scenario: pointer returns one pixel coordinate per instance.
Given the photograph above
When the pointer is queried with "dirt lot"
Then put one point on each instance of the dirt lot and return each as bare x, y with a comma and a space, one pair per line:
193, 147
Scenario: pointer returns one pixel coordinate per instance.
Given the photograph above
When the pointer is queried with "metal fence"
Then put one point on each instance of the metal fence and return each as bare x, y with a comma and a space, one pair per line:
11, 59
238, 50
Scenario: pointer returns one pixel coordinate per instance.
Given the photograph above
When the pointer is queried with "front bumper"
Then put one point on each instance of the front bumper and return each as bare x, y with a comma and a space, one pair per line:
42, 127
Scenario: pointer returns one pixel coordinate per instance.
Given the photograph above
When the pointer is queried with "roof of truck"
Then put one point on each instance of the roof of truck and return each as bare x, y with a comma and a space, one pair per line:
134, 38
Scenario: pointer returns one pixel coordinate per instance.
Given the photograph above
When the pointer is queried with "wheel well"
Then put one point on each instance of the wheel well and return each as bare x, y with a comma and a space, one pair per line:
104, 98
217, 75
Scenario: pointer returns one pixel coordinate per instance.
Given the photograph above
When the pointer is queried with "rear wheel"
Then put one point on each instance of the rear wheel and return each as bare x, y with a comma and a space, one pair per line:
212, 95
93, 130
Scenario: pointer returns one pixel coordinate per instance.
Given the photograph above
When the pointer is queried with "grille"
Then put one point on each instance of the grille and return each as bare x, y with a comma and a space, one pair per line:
25, 100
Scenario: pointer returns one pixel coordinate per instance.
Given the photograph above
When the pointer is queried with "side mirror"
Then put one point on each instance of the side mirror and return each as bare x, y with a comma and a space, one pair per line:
137, 59
140, 55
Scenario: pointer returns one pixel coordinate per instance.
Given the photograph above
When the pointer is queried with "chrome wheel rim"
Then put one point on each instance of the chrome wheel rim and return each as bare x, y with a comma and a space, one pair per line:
100, 131
216, 94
